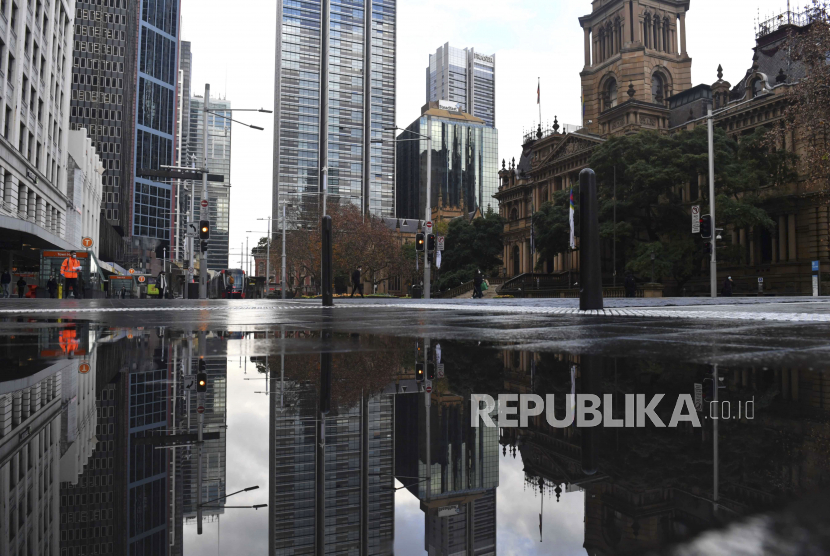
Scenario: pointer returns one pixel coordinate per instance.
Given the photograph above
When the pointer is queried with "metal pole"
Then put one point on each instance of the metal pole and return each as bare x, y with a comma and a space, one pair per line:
247, 258
282, 274
203, 213
614, 264
268, 260
590, 260
428, 209
715, 436
200, 401
713, 265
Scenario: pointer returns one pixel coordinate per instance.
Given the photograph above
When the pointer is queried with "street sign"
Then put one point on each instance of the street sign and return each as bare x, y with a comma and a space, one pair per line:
204, 203
815, 266
429, 389
696, 219
760, 280
131, 271
83, 368
440, 243
698, 396
142, 279
429, 226
87, 242
190, 270
439, 370
190, 382
200, 409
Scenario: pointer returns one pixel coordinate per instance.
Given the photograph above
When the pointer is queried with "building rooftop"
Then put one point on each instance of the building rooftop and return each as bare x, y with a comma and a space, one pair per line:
442, 109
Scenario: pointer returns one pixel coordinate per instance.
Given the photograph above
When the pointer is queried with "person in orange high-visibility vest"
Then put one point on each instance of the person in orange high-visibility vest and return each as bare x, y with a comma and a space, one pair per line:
68, 340
69, 270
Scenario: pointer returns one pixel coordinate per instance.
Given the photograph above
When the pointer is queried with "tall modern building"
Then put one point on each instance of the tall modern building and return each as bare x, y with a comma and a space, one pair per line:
219, 162
464, 163
103, 93
464, 77
327, 109
155, 119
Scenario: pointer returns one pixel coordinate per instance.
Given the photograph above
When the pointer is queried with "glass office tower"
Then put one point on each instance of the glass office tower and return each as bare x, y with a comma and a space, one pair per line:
219, 162
329, 108
464, 77
103, 93
464, 163
158, 57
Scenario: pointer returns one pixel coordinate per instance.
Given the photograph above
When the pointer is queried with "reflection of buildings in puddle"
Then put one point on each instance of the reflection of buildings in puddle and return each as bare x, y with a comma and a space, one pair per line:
655, 486
459, 499
356, 453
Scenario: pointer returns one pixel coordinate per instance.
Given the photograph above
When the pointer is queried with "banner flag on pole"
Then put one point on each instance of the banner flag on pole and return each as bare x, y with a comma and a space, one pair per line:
571, 218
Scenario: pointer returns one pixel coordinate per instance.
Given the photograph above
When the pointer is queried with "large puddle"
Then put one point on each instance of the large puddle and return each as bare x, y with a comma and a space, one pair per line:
100, 449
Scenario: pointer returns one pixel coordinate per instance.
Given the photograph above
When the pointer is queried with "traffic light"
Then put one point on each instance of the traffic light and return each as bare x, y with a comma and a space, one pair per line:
708, 247
431, 242
204, 246
419, 242
204, 229
419, 372
430, 371
201, 377
706, 226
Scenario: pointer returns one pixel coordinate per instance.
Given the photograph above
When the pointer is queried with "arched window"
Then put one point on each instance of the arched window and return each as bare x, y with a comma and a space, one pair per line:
666, 34
609, 94
647, 30
757, 87
514, 214
601, 44
658, 88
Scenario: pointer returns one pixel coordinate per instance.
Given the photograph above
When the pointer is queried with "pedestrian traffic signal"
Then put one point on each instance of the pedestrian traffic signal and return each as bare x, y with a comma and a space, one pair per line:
430, 371
419, 372
204, 229
706, 226
419, 242
431, 242
708, 247
204, 246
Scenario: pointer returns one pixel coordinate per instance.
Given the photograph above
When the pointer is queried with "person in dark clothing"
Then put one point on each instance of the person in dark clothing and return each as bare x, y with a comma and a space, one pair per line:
727, 287
5, 282
21, 287
161, 284
630, 285
477, 280
357, 285
52, 287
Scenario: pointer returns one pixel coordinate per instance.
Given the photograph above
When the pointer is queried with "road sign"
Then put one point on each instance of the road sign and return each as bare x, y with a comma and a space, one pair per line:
204, 203
429, 389
439, 370
429, 226
87, 242
200, 409
815, 266
760, 280
190, 382
190, 270
83, 368
142, 279
696, 219
698, 396
440, 243
131, 271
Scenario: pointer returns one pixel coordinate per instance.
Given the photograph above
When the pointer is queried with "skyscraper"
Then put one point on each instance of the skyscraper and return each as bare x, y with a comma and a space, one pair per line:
327, 109
219, 162
464, 77
155, 124
102, 94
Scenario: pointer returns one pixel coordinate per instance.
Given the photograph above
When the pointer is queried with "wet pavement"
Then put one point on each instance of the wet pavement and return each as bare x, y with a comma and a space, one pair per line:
322, 410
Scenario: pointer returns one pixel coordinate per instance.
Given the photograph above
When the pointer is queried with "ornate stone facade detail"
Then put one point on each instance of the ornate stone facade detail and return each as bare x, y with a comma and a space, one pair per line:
648, 120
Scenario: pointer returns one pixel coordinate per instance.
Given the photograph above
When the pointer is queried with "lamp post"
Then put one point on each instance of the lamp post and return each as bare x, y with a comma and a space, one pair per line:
428, 208
203, 213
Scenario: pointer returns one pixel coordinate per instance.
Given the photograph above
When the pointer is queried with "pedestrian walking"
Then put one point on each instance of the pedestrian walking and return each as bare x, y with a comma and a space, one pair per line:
69, 270
477, 280
357, 285
630, 285
161, 284
726, 291
5, 282
21, 287
52, 287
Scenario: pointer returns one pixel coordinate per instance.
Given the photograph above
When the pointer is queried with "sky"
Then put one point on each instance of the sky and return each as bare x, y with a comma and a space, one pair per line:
233, 50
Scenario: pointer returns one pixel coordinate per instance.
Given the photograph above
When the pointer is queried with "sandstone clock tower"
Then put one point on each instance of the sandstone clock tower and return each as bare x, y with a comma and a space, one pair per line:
635, 58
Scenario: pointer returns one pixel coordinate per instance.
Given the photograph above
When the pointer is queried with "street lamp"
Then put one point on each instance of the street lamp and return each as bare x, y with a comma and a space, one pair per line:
255, 506
428, 208
203, 213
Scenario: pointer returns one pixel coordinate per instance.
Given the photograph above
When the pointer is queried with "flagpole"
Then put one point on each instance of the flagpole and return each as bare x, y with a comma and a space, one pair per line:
539, 98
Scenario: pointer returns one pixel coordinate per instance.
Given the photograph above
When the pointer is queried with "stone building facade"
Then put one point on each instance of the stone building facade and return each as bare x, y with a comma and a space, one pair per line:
637, 76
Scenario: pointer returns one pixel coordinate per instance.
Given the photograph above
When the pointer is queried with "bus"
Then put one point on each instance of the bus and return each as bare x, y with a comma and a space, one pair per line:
227, 284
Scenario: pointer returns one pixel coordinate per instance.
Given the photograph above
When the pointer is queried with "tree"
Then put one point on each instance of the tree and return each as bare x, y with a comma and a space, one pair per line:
807, 114
471, 245
551, 224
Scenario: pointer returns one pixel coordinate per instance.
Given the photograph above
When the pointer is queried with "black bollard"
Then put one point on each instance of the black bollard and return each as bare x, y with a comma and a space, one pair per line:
590, 369
326, 278
590, 267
